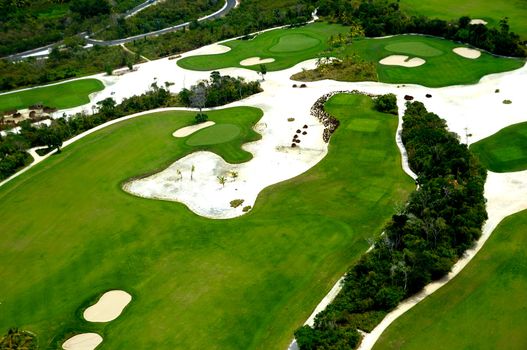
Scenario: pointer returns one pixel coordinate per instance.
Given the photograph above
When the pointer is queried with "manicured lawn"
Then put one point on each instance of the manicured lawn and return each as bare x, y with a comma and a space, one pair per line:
484, 307
219, 133
66, 95
69, 233
442, 68
490, 10
287, 46
505, 151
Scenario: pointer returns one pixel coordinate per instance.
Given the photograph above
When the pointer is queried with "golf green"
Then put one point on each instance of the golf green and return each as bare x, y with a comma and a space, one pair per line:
505, 151
483, 308
60, 96
442, 67
70, 233
215, 134
287, 46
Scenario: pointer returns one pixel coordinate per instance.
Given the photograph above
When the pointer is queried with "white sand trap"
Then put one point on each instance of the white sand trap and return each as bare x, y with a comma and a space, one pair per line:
467, 53
401, 60
478, 21
189, 130
255, 60
109, 306
84, 341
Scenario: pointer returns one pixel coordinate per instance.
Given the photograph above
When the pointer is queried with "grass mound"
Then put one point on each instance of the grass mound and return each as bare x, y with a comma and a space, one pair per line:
482, 308
60, 96
414, 48
245, 283
505, 151
219, 133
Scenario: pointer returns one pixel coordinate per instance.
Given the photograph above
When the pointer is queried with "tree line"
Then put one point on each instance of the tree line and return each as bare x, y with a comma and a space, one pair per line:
420, 243
382, 17
13, 147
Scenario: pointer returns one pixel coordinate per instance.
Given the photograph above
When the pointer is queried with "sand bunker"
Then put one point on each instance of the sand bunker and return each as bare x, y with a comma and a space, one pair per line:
467, 53
401, 60
189, 130
255, 60
109, 306
84, 341
478, 21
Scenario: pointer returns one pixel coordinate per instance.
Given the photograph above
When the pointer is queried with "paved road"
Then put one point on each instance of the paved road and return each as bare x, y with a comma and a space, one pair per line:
44, 51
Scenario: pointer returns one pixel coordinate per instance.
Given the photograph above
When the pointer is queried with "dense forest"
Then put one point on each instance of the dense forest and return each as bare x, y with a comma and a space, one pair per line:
420, 243
217, 91
381, 17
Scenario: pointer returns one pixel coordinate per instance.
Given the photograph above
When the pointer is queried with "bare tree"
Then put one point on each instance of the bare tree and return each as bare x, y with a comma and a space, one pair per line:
198, 96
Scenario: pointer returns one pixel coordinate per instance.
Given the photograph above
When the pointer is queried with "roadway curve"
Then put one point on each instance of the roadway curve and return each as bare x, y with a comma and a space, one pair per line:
44, 51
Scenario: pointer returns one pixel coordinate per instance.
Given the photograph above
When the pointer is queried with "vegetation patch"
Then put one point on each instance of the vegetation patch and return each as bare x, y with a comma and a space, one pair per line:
505, 151
249, 282
60, 96
348, 69
236, 203
493, 283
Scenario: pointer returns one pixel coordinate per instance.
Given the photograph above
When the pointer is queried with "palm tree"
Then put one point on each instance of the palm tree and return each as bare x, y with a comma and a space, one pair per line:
222, 180
192, 172
179, 174
234, 175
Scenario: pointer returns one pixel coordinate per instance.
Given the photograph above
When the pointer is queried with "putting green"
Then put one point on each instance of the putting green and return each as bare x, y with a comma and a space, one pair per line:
483, 308
443, 67
196, 283
505, 151
414, 48
218, 133
60, 96
294, 42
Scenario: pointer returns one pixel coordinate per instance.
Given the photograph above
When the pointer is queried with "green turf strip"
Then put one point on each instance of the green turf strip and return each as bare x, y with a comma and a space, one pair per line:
294, 42
505, 151
215, 134
491, 11
483, 308
69, 233
60, 96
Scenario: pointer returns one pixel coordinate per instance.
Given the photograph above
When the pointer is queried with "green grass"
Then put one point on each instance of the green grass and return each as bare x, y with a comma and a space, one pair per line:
69, 233
219, 133
484, 307
60, 96
505, 151
490, 10
287, 46
442, 68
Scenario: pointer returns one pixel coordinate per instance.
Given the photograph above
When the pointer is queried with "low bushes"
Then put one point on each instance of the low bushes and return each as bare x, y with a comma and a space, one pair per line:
441, 219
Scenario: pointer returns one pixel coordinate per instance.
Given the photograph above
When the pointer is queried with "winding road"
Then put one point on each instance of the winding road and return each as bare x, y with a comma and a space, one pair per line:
45, 50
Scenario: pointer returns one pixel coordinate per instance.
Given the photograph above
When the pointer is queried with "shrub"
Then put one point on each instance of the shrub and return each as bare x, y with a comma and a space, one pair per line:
201, 118
507, 102
246, 208
386, 104
497, 90
236, 203
290, 119
303, 85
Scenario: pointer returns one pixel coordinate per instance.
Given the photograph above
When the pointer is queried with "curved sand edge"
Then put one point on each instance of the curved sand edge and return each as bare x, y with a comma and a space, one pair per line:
478, 21
189, 130
109, 306
251, 61
467, 53
402, 60
84, 341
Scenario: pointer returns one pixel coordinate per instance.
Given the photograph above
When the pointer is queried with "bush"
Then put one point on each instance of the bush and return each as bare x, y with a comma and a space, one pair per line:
201, 118
507, 102
386, 104
236, 203
246, 208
